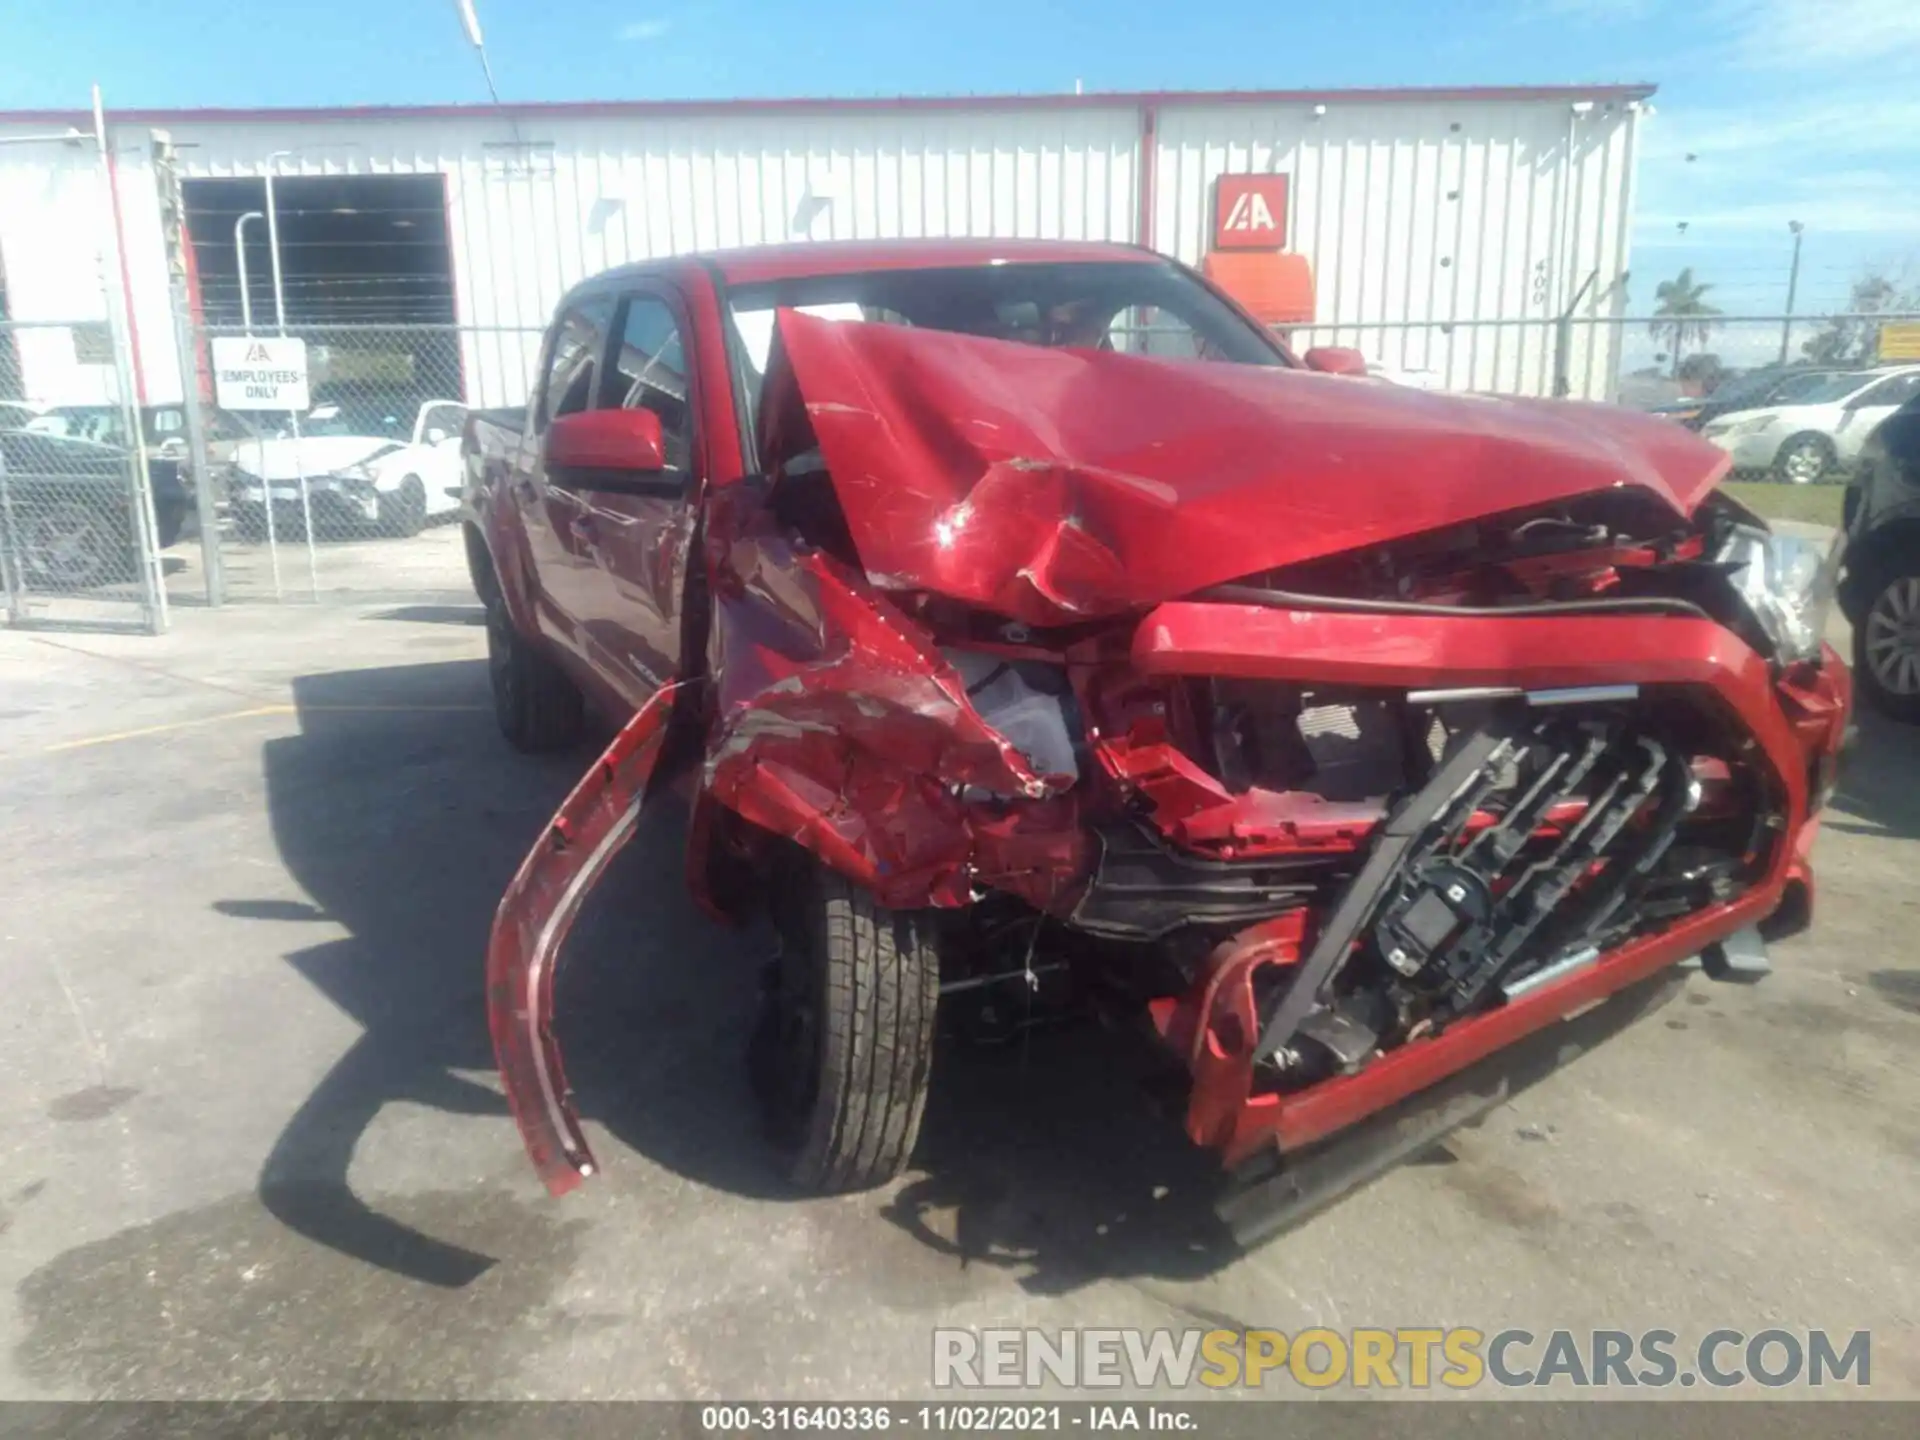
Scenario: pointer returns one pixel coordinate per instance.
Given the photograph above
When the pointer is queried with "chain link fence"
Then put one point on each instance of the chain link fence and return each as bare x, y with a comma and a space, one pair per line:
358, 496
1642, 362
93, 488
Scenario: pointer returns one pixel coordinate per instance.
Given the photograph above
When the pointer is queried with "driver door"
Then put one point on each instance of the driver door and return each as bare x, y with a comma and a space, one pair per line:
554, 517
641, 533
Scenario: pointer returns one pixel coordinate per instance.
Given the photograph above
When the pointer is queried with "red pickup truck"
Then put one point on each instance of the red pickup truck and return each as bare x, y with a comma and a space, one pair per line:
1023, 617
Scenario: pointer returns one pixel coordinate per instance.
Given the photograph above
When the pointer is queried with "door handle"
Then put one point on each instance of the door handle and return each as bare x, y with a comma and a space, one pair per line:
583, 528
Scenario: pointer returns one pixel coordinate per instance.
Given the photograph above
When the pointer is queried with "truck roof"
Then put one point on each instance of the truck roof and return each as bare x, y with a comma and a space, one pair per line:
754, 264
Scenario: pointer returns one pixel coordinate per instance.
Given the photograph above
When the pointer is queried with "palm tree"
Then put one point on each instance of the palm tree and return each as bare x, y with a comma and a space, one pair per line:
1682, 314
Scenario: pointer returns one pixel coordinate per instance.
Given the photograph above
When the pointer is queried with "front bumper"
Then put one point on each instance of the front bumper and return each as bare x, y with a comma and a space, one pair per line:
1787, 728
1749, 452
1794, 724
334, 496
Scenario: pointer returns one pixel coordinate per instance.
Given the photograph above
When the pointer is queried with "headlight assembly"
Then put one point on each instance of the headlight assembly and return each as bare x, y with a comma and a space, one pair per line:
1787, 584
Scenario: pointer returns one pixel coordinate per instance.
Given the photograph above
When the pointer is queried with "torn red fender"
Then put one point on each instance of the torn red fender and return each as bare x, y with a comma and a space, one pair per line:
536, 913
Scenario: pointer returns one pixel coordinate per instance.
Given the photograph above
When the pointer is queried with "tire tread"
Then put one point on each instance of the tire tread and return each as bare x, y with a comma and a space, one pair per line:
880, 991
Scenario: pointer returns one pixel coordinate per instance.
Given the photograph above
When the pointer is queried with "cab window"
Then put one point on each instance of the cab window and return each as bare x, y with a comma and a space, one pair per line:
578, 340
648, 371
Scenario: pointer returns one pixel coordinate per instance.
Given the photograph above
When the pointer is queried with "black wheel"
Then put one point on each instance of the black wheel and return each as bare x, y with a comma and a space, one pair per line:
538, 707
1886, 641
402, 512
70, 545
840, 1057
1804, 460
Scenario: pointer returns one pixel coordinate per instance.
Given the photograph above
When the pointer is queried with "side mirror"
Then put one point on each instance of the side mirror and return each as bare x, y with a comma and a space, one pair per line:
435, 436
1336, 360
605, 449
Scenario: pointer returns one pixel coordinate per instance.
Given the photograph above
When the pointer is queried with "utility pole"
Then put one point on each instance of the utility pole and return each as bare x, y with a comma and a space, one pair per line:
1793, 284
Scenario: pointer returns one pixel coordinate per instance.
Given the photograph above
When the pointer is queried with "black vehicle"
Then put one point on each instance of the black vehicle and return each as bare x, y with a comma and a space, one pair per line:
1771, 385
1880, 593
67, 517
162, 427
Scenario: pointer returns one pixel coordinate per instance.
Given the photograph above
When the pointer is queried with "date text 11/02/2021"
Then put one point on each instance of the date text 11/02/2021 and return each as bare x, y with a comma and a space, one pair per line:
940, 1418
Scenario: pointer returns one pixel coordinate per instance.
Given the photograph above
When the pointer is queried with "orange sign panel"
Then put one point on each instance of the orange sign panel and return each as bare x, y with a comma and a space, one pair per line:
1275, 286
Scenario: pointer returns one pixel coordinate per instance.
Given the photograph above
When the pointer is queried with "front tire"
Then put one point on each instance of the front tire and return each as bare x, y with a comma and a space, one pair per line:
843, 1049
402, 511
1804, 460
538, 708
1886, 641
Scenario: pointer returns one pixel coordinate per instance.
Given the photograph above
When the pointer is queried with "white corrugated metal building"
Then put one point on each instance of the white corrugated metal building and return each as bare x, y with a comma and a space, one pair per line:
1418, 210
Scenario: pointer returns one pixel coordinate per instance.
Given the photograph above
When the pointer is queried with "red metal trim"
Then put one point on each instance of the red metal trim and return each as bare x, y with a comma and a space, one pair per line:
196, 308
453, 282
596, 109
126, 280
1149, 166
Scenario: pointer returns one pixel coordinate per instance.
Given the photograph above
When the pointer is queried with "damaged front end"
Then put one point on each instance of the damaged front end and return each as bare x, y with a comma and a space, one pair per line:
1349, 736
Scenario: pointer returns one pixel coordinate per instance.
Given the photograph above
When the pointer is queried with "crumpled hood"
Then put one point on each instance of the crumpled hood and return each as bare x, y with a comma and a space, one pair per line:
312, 455
1055, 485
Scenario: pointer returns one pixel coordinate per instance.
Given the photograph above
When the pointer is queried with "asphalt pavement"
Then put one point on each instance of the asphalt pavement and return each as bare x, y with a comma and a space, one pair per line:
251, 1143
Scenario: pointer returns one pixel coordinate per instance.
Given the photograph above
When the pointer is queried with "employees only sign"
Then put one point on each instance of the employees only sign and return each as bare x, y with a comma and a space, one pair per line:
250, 373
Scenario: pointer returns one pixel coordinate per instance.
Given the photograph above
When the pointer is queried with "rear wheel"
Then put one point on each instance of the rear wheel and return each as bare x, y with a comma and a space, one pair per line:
537, 706
841, 1055
1886, 641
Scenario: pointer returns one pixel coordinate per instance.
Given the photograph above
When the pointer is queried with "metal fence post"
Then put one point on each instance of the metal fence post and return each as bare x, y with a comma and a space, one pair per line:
153, 592
173, 226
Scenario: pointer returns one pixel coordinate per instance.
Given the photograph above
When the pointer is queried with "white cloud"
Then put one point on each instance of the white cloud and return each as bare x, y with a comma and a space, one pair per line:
644, 30
1826, 123
1823, 34
1862, 215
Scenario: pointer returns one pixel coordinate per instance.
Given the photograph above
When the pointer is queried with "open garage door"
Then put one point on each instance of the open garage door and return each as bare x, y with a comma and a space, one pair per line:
351, 496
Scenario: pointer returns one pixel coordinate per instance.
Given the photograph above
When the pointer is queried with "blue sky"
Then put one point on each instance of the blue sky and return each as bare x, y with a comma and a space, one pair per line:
1790, 109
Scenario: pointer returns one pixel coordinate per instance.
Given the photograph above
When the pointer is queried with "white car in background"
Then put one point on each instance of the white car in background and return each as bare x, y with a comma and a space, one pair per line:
1814, 431
363, 469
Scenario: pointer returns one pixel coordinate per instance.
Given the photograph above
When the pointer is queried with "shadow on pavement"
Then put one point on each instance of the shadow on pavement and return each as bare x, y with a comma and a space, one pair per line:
435, 614
1058, 1156
403, 816
1879, 787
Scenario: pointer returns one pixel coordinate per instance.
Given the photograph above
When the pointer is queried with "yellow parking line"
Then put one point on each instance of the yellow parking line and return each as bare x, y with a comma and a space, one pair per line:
395, 709
117, 735
257, 711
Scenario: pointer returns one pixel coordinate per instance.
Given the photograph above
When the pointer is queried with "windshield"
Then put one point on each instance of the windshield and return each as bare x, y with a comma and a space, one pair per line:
1157, 310
1819, 389
102, 424
354, 419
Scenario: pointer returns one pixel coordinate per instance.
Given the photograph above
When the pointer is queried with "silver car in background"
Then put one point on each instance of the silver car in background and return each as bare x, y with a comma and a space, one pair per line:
1813, 430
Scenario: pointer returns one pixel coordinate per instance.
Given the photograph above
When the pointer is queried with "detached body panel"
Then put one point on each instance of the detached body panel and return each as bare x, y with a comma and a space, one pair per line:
531, 925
